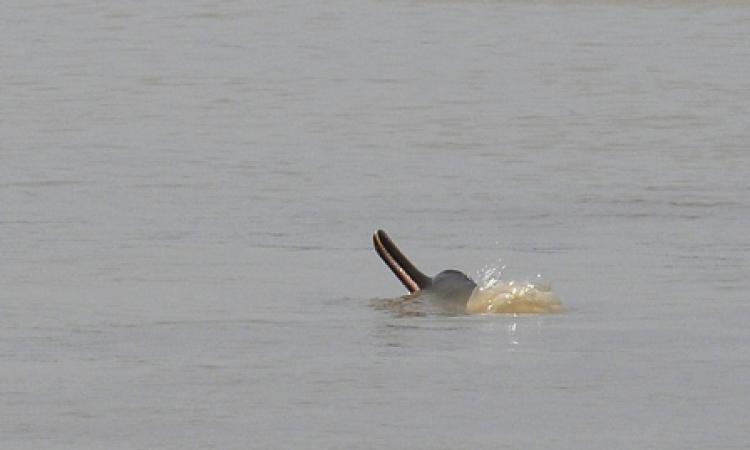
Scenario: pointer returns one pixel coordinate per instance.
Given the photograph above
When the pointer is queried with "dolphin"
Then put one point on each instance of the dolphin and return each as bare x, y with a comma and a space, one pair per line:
451, 285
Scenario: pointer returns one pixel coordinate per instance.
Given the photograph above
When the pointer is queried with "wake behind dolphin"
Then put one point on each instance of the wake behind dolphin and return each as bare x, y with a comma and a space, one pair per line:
456, 292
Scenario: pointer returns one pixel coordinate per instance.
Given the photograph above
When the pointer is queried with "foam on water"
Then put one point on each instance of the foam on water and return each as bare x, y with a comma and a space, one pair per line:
493, 295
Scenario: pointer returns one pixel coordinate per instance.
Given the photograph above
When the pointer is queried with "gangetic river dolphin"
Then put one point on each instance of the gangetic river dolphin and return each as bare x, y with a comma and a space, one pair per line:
449, 285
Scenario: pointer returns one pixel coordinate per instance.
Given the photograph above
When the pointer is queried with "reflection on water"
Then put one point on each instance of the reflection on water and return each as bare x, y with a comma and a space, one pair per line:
408, 305
511, 332
421, 331
420, 304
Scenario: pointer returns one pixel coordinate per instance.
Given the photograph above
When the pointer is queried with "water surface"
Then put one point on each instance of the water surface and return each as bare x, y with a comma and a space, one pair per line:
187, 192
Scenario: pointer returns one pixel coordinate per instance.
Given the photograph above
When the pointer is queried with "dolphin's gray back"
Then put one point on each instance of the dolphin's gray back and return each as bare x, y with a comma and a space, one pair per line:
452, 284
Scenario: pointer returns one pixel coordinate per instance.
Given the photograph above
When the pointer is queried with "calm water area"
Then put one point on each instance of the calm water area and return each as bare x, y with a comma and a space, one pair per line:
188, 192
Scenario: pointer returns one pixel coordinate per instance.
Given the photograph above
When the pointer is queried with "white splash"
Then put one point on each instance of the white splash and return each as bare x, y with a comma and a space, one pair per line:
493, 295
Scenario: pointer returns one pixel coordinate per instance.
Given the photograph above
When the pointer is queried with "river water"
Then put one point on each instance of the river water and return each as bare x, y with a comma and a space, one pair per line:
188, 192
